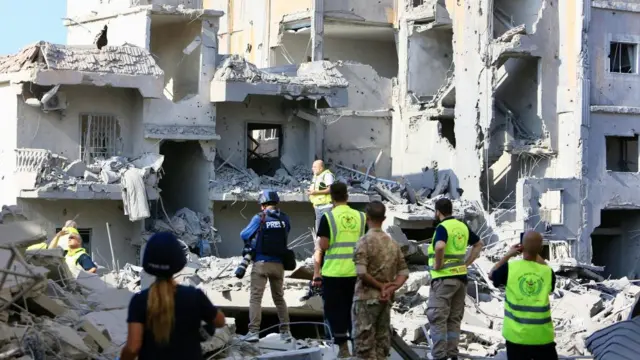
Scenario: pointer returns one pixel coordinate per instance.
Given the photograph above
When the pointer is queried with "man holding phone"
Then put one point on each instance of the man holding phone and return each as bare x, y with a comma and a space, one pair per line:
528, 327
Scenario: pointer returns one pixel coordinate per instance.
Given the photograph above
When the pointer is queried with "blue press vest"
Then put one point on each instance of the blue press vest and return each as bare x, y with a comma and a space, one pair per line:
271, 237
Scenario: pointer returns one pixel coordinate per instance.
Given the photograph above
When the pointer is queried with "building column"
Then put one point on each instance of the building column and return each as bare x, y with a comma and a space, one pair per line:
317, 31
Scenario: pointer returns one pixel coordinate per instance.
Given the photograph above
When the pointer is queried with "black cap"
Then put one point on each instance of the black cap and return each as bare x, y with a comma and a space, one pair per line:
163, 256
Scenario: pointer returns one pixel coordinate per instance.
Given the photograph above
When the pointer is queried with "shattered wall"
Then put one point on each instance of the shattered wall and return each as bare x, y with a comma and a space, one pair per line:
610, 25
93, 215
8, 116
231, 217
61, 132
232, 127
381, 55
430, 61
131, 28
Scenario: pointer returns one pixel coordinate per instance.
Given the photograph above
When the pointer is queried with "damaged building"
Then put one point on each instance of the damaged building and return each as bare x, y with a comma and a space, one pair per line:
194, 106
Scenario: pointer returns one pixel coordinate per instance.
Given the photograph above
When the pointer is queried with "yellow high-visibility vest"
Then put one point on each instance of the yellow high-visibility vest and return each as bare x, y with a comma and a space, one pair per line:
527, 314
454, 252
40, 246
346, 228
73, 256
318, 184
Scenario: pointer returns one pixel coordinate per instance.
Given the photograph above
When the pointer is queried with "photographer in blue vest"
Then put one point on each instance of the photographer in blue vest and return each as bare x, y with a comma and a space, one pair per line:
266, 235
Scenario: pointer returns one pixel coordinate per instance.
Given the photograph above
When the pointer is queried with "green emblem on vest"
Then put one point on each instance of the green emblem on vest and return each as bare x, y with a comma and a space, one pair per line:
348, 221
530, 284
459, 241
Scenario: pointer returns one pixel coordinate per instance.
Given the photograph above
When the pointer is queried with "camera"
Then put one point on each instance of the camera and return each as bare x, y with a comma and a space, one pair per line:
247, 254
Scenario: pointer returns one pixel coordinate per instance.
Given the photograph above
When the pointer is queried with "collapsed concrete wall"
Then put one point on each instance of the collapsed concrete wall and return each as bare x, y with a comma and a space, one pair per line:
9, 141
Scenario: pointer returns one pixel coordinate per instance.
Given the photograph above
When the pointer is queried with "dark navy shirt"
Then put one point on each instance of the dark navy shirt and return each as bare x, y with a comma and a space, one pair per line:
191, 308
86, 262
442, 235
250, 232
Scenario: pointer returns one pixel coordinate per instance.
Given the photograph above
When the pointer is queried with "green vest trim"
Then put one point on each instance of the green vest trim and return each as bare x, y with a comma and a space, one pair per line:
346, 227
318, 200
454, 253
527, 311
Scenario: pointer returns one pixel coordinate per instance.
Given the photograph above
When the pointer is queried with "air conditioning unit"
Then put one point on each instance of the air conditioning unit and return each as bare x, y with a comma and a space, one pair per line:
56, 102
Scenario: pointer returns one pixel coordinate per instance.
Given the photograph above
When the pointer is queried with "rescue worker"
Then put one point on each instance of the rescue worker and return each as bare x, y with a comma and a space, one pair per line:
164, 320
381, 271
268, 231
448, 269
69, 224
339, 232
527, 326
77, 257
319, 190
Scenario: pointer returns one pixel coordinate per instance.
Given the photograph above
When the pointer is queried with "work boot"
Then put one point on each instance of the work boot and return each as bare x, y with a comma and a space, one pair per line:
343, 351
252, 337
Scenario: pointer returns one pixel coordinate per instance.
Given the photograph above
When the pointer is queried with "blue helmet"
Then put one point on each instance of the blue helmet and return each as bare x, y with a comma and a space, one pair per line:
268, 196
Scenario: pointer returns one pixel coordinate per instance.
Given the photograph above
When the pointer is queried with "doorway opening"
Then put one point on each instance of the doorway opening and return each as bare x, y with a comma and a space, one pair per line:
264, 146
185, 178
616, 243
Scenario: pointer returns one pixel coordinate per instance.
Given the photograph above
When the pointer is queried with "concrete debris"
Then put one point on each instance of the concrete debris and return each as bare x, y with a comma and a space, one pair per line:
316, 74
194, 229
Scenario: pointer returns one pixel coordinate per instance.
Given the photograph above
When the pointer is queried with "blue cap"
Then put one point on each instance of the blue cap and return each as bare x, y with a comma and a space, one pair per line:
267, 196
163, 256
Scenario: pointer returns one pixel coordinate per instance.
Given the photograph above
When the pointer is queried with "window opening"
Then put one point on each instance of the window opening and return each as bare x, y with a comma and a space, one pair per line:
100, 137
622, 58
622, 153
264, 143
85, 234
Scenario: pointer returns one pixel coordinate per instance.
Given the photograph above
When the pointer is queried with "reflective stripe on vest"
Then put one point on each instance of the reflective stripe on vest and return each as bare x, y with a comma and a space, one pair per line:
527, 313
324, 199
454, 252
346, 227
73, 256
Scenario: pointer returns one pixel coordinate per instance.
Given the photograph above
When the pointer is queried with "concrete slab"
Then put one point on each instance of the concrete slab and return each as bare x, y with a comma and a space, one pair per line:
284, 197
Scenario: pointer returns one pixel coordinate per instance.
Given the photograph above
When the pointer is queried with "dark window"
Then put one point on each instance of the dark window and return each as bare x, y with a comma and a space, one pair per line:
622, 153
264, 143
622, 58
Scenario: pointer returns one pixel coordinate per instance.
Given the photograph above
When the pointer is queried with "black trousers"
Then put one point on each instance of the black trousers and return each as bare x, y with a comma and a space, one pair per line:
337, 294
531, 352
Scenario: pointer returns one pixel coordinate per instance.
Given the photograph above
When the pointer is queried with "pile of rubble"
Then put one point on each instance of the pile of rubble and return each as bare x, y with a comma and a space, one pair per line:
193, 228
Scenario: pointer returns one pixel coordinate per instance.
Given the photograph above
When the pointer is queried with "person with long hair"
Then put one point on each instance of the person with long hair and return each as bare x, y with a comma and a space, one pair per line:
165, 319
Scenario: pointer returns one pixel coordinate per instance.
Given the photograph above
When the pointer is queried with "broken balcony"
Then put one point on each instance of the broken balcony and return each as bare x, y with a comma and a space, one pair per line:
41, 174
428, 14
236, 79
512, 44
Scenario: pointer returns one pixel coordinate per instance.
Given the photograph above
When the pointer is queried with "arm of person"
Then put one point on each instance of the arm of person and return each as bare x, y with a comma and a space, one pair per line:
361, 259
56, 239
210, 313
440, 243
476, 248
327, 180
248, 232
323, 244
87, 263
135, 320
401, 276
498, 273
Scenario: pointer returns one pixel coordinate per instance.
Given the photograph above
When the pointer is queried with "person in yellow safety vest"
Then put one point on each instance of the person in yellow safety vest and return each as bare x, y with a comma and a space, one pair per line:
77, 256
319, 190
448, 269
339, 231
527, 326
56, 239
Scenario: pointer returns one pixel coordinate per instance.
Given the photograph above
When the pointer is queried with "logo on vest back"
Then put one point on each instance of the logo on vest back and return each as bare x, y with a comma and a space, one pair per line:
347, 221
273, 224
459, 242
530, 284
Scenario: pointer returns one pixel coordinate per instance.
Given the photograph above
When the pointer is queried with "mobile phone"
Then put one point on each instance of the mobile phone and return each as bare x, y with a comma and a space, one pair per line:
521, 237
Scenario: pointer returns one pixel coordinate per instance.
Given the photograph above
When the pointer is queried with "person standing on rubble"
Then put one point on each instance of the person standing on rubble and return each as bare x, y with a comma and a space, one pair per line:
339, 232
527, 326
76, 256
319, 190
268, 232
448, 269
165, 319
381, 270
